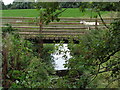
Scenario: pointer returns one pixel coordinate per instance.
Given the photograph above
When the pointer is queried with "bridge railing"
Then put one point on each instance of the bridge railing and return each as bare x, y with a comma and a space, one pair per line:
65, 27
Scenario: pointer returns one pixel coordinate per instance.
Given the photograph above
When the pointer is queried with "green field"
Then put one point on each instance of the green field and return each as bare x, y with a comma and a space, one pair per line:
71, 12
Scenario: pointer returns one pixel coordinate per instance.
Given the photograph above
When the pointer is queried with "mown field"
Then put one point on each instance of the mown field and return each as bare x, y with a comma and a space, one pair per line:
71, 12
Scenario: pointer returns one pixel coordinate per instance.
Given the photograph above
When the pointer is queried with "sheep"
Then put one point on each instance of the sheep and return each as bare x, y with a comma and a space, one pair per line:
19, 21
88, 23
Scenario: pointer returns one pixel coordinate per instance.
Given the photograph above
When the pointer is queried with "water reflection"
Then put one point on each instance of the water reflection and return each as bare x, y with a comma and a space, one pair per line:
58, 57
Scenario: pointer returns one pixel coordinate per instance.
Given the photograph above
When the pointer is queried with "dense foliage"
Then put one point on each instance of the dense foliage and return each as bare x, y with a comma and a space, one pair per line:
97, 55
24, 66
95, 60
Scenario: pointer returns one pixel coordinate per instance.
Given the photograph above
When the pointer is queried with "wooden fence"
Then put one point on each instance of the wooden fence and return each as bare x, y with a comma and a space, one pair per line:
65, 27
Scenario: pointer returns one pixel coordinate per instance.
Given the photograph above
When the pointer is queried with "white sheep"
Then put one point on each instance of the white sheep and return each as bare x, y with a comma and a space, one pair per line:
88, 23
19, 21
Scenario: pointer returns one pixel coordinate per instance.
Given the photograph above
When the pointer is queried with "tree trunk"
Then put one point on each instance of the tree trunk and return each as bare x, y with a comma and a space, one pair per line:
40, 41
96, 23
5, 68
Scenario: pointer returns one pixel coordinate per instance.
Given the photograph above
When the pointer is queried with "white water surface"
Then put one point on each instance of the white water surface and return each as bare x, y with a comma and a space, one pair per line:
58, 58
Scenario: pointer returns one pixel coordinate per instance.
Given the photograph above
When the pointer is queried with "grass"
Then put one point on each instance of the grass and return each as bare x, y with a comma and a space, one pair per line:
20, 13
77, 13
71, 12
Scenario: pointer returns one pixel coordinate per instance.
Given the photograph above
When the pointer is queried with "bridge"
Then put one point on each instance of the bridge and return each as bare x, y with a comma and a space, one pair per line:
55, 31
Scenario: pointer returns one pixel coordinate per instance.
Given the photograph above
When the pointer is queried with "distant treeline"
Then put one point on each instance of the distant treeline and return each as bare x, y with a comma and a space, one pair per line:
19, 5
105, 6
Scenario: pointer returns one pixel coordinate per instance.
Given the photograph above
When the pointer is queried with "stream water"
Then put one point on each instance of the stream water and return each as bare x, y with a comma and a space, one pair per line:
58, 57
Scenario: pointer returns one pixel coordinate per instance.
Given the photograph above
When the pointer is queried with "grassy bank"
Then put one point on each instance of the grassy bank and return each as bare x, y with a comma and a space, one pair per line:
71, 12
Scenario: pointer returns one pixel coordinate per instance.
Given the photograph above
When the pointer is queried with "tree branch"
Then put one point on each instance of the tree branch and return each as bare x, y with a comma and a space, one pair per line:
102, 20
112, 82
108, 57
111, 65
